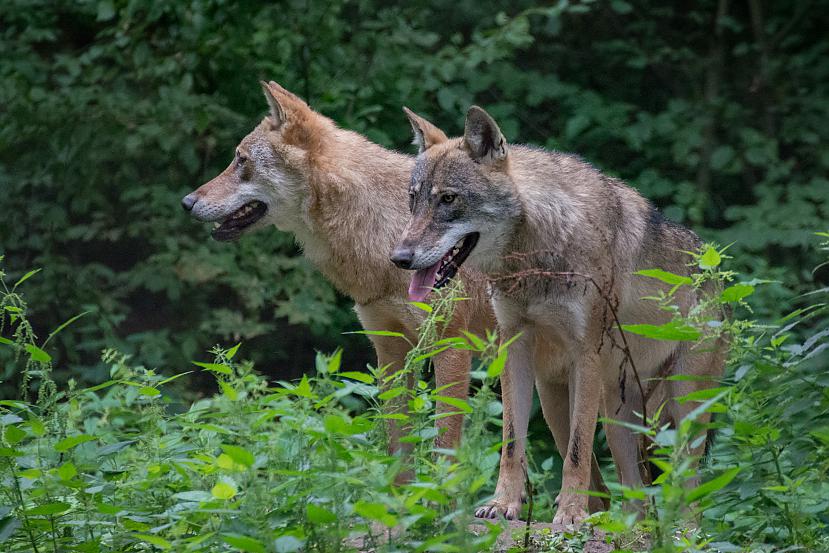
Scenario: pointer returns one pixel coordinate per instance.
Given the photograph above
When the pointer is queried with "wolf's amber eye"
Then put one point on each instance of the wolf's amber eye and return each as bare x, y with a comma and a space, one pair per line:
448, 198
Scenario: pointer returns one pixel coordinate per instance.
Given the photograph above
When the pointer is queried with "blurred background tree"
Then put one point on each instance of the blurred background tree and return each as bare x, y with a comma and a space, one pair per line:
112, 110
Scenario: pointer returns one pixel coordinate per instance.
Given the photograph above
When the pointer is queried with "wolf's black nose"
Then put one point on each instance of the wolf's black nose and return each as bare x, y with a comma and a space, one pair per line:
188, 202
402, 257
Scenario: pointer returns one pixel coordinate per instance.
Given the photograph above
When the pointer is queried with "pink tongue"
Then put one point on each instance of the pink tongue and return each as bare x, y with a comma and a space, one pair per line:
422, 282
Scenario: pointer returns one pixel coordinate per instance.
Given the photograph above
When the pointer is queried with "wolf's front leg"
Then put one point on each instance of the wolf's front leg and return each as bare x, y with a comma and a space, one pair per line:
516, 396
572, 505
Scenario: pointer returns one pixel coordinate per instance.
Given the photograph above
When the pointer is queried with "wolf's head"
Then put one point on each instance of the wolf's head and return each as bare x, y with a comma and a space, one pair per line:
462, 199
265, 183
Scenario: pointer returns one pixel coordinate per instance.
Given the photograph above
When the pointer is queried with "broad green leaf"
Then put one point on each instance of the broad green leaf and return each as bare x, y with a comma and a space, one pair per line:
319, 515
239, 455
223, 490
220, 368
38, 354
244, 543
13, 434
47, 509
391, 393
736, 292
148, 391
365, 378
229, 391
457, 403
303, 389
157, 541
497, 366
72, 441
665, 276
710, 259
672, 331
713, 485
67, 471
375, 511
420, 305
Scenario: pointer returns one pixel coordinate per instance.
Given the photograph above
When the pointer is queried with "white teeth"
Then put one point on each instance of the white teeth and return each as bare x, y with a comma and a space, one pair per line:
216, 225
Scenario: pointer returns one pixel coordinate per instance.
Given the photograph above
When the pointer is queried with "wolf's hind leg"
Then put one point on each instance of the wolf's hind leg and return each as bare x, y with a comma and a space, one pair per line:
555, 405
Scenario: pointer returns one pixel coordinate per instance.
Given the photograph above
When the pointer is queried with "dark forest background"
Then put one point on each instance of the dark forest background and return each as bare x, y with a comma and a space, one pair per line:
111, 111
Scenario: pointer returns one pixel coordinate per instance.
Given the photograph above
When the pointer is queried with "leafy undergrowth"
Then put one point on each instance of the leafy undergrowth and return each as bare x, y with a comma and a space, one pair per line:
124, 466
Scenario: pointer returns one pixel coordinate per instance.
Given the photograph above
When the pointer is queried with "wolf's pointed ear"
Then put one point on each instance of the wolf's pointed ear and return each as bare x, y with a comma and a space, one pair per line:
426, 134
277, 110
482, 137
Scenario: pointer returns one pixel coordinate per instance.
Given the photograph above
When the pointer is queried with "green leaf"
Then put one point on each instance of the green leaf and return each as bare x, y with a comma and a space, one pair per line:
157, 541
736, 292
25, 277
457, 403
38, 354
665, 276
48, 509
375, 511
72, 441
64, 325
13, 434
245, 543
497, 366
672, 331
67, 471
223, 490
220, 368
479, 344
713, 485
232, 351
148, 391
229, 391
303, 389
420, 305
710, 259
239, 455
392, 393
319, 515
365, 378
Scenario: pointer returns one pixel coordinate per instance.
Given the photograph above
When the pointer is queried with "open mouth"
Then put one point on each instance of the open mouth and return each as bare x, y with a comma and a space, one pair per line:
439, 274
231, 227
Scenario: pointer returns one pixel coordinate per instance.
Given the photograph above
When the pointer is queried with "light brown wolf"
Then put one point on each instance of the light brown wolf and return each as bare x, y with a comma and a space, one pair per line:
544, 226
344, 198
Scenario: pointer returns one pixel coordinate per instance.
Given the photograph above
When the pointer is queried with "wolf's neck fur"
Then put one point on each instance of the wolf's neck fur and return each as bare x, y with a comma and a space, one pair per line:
356, 210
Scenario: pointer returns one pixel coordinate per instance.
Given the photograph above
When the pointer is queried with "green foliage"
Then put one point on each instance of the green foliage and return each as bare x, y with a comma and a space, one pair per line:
123, 466
298, 466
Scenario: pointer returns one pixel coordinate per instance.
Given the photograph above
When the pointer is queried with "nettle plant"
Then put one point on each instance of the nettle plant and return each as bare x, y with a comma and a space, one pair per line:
671, 504
122, 466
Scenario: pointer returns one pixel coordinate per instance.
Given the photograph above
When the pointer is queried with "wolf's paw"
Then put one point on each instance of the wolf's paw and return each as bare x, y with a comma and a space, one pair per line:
509, 510
570, 514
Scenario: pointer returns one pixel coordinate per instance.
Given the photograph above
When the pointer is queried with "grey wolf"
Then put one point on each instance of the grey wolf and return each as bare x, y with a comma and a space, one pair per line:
510, 210
344, 199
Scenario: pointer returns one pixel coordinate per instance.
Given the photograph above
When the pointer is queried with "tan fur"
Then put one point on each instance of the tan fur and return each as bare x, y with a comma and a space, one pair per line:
541, 214
345, 199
